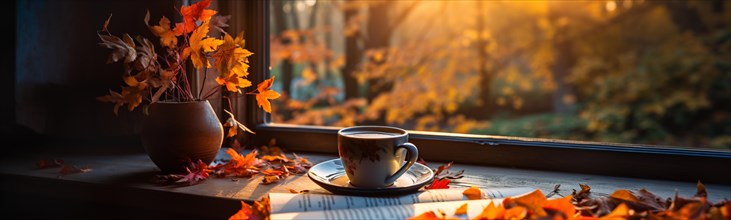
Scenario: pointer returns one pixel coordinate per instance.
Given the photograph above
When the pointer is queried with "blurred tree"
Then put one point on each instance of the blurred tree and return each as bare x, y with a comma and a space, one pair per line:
654, 72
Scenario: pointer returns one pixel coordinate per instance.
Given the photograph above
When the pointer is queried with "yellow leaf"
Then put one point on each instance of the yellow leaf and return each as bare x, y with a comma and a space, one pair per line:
210, 44
131, 81
186, 53
308, 76
133, 95
200, 43
241, 70
167, 36
233, 83
231, 58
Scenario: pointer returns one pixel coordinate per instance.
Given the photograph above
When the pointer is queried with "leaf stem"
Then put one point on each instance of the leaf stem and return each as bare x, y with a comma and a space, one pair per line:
212, 92
203, 84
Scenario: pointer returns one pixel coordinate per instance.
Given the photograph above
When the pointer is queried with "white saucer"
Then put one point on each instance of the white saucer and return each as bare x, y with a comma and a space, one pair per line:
330, 175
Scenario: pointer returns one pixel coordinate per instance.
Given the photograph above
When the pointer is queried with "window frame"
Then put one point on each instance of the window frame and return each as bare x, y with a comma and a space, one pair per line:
599, 158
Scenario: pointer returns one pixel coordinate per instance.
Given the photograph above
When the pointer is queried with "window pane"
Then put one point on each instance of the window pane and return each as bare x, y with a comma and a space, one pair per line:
625, 71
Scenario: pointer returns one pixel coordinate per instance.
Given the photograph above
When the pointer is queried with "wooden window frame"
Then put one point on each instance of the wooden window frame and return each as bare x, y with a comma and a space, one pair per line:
614, 159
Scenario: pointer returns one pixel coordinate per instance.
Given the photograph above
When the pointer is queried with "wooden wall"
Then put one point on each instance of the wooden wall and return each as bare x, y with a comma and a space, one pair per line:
60, 69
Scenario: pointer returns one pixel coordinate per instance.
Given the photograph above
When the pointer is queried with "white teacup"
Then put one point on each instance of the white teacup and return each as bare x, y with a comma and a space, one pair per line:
370, 154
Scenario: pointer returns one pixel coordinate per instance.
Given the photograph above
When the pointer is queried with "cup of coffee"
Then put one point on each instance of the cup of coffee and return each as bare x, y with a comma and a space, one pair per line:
372, 155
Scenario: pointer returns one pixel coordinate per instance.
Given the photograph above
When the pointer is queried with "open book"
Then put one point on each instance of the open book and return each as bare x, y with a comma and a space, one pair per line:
325, 206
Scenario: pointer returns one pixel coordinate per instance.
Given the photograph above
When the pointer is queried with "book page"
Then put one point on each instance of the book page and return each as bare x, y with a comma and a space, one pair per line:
290, 202
474, 208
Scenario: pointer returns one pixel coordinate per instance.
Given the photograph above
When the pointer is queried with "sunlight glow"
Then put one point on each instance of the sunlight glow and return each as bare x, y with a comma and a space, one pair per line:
610, 6
310, 3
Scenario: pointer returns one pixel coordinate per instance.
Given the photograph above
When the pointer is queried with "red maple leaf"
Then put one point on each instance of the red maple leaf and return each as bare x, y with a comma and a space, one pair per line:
439, 184
197, 172
191, 14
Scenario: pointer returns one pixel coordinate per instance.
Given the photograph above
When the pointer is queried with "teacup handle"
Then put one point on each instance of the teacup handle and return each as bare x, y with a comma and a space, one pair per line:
411, 154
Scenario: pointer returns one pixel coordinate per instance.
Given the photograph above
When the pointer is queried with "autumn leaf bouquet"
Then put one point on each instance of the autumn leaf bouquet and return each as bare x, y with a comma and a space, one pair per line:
151, 77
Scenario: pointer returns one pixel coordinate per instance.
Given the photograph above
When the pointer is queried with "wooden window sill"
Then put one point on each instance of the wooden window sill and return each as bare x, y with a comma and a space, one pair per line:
120, 182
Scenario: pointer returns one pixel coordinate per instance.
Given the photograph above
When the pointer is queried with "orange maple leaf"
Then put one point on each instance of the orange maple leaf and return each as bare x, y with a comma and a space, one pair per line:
270, 179
492, 211
461, 210
260, 210
472, 193
167, 36
243, 166
430, 215
272, 172
517, 212
264, 95
533, 201
191, 14
271, 158
562, 205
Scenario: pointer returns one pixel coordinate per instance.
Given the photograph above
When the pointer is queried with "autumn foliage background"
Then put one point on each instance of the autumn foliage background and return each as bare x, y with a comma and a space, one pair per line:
630, 71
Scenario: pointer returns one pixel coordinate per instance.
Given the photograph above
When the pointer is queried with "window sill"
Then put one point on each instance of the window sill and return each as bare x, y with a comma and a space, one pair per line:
121, 180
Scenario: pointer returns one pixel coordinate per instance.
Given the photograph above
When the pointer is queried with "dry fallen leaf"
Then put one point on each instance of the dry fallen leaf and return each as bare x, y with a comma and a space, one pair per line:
260, 210
439, 184
431, 215
472, 193
461, 210
562, 205
241, 166
623, 204
197, 172
517, 212
492, 211
533, 201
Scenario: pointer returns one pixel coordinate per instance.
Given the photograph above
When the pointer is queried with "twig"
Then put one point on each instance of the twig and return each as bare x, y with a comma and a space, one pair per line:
203, 84
211, 93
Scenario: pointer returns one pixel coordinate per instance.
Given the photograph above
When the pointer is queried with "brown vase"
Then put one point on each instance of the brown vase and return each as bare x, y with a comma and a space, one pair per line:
175, 133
